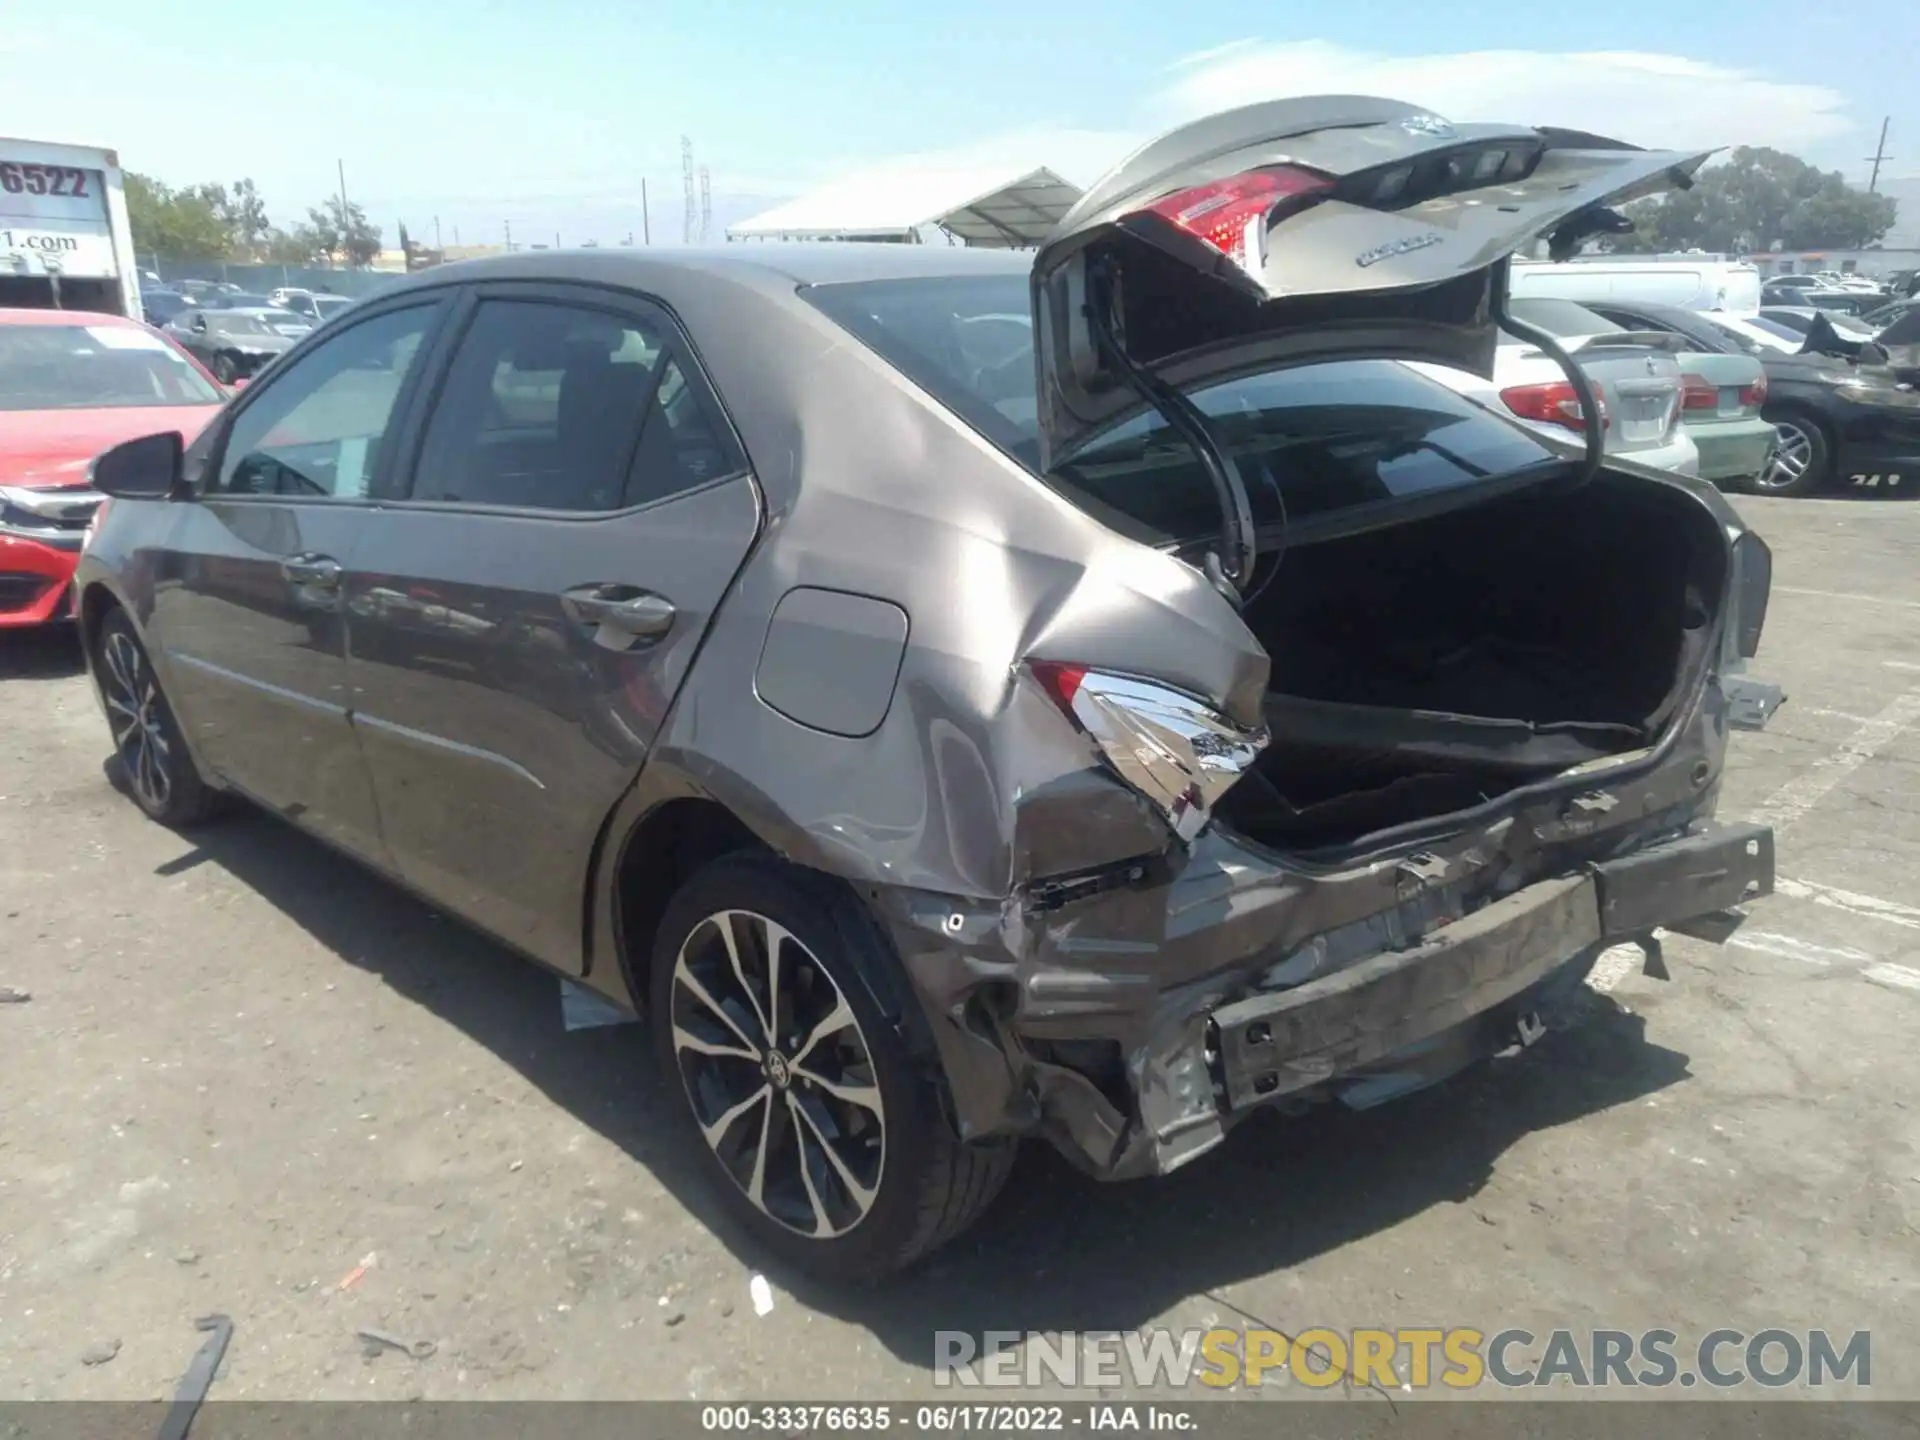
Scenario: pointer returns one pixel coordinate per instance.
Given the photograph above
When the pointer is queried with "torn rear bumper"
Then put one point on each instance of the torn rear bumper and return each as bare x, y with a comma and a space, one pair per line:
1278, 1044
1134, 1027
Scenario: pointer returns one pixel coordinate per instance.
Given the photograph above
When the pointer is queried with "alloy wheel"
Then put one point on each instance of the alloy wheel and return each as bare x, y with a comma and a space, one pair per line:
779, 1075
1790, 460
133, 715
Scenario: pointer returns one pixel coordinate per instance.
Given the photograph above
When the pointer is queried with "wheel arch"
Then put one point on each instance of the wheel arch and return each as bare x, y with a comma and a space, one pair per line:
97, 600
1807, 412
660, 834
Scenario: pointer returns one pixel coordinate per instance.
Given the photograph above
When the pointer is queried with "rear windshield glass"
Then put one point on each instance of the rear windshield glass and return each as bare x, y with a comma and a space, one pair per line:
1562, 319
1319, 438
94, 367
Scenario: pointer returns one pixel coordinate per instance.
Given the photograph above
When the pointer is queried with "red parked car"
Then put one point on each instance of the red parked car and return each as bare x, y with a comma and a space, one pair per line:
71, 385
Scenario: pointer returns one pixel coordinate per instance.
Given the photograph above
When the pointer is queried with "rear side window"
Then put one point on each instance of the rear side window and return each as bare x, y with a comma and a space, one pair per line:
1317, 439
551, 406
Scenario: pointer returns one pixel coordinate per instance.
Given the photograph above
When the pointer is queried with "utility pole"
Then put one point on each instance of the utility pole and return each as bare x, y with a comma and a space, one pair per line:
343, 190
646, 225
706, 206
509, 228
692, 213
436, 234
1879, 154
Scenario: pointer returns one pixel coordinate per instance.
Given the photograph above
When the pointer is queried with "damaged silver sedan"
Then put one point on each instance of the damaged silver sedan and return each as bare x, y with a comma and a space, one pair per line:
964, 696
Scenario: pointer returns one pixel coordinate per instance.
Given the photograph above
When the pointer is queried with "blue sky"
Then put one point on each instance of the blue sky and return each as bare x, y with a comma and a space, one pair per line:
548, 116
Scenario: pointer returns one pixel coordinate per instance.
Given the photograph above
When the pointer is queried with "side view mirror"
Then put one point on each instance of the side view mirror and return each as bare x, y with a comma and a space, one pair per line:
145, 469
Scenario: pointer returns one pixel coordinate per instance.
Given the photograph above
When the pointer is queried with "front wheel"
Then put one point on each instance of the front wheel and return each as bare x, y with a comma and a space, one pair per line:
151, 757
1803, 463
780, 1015
224, 369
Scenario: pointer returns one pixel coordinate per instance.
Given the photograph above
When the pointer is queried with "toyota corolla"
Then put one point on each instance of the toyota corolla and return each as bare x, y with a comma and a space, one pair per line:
961, 695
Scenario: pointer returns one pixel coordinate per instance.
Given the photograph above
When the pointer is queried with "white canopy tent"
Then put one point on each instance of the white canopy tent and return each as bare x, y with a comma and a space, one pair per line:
1000, 207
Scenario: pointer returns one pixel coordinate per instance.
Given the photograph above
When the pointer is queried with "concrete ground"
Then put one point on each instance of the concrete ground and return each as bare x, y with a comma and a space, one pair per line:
247, 1070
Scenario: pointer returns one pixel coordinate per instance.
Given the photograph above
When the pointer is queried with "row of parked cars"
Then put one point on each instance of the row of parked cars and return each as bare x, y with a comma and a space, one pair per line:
1700, 374
966, 695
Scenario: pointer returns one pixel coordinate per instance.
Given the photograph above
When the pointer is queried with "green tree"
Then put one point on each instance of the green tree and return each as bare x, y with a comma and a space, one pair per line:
344, 232
179, 224
245, 216
1755, 197
298, 246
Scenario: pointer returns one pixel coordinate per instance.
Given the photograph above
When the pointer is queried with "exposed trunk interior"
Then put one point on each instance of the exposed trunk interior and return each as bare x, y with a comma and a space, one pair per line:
1431, 666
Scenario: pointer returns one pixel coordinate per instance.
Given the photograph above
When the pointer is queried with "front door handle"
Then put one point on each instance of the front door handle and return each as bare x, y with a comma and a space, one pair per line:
310, 569
622, 616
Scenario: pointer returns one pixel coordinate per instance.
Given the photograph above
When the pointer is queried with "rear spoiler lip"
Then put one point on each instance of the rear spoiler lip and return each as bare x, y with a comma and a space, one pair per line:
1632, 339
1622, 340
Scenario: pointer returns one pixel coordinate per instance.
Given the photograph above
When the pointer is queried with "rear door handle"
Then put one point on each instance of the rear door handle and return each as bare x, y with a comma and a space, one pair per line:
622, 616
311, 569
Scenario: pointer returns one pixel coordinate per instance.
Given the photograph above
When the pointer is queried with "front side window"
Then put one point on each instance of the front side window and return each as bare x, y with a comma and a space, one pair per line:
316, 431
95, 367
552, 406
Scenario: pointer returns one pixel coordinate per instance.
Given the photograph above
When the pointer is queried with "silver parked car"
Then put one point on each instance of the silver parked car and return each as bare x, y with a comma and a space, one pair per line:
962, 695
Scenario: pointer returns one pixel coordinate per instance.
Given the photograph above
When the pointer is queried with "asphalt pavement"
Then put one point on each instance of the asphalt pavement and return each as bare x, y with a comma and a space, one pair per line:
253, 1079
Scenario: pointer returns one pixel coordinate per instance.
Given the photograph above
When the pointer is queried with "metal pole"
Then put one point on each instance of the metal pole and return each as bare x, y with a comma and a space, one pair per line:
436, 234
341, 165
646, 226
509, 227
1879, 154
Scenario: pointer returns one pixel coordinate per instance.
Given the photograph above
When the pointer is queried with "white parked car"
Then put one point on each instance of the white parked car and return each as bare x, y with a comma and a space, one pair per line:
1638, 385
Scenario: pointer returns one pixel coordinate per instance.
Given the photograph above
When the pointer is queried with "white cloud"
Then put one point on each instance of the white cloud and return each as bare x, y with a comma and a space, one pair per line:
1661, 101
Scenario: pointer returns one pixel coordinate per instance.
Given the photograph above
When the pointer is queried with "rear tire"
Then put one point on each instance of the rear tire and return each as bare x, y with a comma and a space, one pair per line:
1803, 465
829, 1145
154, 767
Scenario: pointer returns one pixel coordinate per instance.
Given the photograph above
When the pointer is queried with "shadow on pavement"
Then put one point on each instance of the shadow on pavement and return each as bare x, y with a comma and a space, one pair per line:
45, 652
1057, 1251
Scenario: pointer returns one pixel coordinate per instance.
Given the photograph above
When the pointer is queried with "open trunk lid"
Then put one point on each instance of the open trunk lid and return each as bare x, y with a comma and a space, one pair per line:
1318, 228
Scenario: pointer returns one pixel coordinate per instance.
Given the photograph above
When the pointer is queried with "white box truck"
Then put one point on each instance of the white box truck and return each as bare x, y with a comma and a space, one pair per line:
64, 239
1728, 287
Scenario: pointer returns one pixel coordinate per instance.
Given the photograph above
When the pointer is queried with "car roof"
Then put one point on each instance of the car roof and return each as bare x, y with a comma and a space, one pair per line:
64, 317
820, 263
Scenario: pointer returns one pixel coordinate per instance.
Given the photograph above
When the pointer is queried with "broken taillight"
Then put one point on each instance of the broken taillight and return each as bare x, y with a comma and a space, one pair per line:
1231, 215
1555, 403
1176, 750
1754, 395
